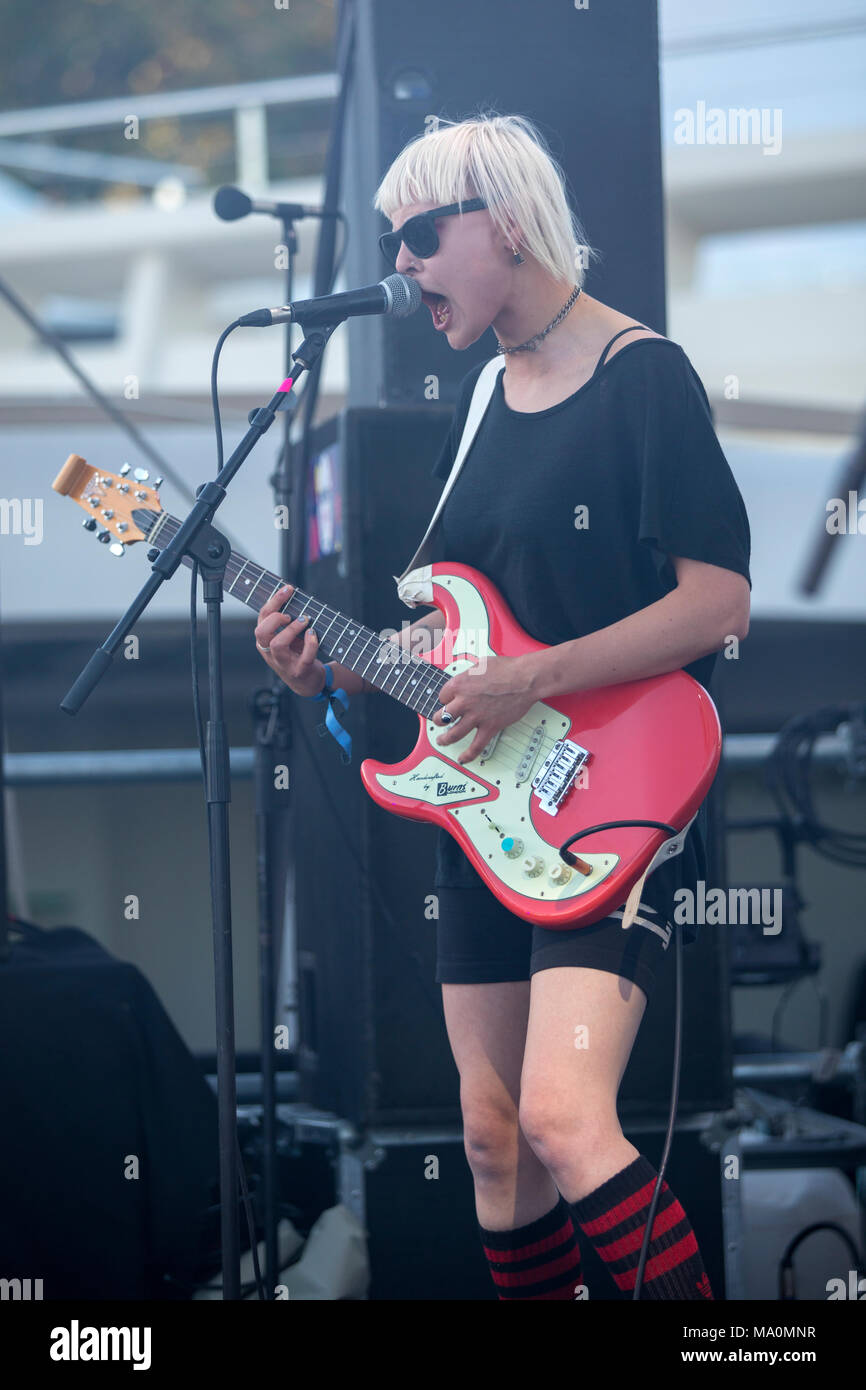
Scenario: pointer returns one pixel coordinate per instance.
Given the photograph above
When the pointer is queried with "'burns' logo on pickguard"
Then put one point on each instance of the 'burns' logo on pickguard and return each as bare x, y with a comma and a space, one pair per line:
430, 781
442, 788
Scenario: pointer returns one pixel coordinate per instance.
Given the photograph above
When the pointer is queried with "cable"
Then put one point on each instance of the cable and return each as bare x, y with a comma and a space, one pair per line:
678, 1021
675, 1091
214, 391
610, 825
788, 777
787, 1286
251, 1229
782, 1002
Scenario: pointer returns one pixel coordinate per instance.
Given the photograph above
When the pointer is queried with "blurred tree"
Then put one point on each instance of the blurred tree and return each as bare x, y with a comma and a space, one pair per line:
90, 49
87, 49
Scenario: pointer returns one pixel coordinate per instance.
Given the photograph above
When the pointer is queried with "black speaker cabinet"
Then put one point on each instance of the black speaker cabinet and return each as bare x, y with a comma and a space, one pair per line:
588, 78
415, 1194
373, 1046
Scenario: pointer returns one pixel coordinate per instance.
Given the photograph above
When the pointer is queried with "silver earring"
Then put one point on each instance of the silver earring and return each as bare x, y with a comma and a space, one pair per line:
518, 259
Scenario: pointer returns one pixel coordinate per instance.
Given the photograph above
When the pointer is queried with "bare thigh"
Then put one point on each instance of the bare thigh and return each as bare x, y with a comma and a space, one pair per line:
487, 1031
580, 1032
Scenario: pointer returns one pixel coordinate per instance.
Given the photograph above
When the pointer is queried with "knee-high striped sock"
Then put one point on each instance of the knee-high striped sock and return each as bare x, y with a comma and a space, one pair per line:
541, 1260
614, 1218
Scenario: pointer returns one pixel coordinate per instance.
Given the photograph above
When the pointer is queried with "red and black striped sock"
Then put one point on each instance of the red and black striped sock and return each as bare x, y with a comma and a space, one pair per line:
614, 1218
541, 1260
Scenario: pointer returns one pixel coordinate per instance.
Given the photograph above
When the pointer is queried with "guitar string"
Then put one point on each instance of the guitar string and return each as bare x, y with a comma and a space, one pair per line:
433, 677
430, 676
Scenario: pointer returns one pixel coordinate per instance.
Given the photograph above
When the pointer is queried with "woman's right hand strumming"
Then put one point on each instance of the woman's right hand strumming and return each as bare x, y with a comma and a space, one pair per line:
289, 646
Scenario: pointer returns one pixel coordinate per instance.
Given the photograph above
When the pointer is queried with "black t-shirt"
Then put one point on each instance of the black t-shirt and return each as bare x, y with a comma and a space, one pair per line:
573, 513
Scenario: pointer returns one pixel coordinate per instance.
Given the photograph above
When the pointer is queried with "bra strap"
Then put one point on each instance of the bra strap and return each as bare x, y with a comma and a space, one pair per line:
632, 329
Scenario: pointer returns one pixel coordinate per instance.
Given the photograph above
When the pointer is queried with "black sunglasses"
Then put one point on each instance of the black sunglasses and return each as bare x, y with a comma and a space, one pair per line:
419, 232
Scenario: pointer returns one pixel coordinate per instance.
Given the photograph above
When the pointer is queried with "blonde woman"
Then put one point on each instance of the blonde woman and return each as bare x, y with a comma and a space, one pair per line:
592, 410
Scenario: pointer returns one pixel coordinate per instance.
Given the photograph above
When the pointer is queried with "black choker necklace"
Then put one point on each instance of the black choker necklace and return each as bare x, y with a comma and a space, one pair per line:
531, 343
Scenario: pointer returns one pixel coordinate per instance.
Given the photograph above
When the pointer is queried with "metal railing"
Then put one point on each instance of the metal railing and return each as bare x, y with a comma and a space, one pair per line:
247, 101
740, 751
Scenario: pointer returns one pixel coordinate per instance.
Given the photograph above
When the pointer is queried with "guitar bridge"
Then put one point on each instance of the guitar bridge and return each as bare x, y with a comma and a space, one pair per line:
558, 772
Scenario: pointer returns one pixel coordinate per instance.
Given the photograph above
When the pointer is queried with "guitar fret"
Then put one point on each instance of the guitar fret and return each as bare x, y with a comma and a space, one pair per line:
231, 587
411, 681
416, 700
405, 678
340, 650
425, 699
330, 625
250, 596
371, 658
420, 680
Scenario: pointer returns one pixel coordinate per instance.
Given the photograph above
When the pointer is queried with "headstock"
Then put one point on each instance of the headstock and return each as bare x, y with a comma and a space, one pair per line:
111, 501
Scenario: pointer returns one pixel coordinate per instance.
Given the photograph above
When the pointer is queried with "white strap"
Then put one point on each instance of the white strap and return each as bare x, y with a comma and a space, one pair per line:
414, 584
668, 849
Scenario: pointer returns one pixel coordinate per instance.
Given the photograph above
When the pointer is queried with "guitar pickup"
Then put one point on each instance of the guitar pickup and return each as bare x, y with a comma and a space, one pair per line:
487, 750
530, 754
558, 772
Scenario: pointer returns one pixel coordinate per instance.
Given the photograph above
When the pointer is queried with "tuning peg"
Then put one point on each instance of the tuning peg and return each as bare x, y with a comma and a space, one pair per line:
116, 548
104, 536
158, 482
140, 475
89, 523
124, 469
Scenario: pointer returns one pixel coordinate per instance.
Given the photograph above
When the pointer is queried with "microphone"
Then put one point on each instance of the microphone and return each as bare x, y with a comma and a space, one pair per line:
230, 203
398, 295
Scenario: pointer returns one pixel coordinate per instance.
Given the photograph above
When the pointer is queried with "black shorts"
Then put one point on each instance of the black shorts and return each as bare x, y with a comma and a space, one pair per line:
479, 942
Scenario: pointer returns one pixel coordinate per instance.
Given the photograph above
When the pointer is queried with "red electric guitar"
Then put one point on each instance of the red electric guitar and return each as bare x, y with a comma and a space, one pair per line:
644, 751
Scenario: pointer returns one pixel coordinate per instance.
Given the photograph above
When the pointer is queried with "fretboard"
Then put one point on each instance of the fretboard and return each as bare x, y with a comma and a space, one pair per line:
399, 673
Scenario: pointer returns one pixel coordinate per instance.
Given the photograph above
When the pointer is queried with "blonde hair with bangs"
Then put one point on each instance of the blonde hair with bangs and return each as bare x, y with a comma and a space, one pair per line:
505, 161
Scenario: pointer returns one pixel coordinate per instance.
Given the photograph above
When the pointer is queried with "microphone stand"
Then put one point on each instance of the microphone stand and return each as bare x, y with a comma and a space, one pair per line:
272, 713
198, 540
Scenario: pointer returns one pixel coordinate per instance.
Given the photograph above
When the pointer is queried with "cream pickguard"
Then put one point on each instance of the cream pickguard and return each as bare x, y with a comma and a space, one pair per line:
502, 776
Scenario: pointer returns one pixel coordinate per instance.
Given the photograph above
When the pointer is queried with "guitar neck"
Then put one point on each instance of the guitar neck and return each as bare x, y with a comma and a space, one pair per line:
400, 674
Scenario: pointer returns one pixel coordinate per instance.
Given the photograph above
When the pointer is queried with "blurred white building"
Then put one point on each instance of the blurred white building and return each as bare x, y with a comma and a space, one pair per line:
766, 244
766, 252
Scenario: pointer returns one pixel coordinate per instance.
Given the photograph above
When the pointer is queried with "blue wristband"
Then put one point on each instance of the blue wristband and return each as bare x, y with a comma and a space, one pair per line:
332, 725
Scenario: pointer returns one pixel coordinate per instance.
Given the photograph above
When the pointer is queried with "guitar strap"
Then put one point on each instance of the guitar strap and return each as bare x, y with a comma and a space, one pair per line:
667, 850
414, 585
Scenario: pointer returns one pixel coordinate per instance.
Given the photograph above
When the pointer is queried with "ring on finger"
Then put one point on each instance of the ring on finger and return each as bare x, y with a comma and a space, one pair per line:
261, 648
